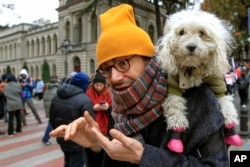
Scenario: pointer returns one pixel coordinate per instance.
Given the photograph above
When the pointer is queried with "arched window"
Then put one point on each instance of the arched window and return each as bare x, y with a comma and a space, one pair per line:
36, 73
31, 72
77, 64
92, 66
53, 70
67, 30
137, 23
79, 31
38, 47
151, 32
43, 46
28, 49
32, 48
54, 43
49, 44
1, 53
11, 53
93, 28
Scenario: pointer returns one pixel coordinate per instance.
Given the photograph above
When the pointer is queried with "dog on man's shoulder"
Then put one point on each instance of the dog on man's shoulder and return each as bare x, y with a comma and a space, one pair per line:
194, 51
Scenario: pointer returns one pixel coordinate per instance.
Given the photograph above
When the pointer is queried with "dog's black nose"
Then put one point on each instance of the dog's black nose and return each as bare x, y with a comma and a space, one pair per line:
191, 47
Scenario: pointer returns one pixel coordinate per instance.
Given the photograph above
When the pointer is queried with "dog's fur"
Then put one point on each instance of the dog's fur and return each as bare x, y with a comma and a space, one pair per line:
194, 48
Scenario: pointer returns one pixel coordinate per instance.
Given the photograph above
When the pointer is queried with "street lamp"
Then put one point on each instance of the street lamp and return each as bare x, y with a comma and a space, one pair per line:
66, 47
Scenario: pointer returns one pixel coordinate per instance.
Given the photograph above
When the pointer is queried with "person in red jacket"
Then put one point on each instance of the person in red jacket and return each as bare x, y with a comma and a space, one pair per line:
99, 93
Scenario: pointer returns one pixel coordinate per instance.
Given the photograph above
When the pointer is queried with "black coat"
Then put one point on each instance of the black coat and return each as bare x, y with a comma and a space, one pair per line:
69, 104
2, 105
205, 120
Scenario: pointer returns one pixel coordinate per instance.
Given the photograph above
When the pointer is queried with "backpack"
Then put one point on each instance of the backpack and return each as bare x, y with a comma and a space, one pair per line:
243, 84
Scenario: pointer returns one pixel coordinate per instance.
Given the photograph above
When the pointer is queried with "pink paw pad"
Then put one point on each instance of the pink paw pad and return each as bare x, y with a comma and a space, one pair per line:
175, 145
234, 140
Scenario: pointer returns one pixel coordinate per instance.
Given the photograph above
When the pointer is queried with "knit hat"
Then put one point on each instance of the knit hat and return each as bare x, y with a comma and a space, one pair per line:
120, 36
10, 78
80, 80
99, 78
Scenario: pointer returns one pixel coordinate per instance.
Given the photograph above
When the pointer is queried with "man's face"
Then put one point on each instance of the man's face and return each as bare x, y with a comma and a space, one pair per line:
23, 76
122, 80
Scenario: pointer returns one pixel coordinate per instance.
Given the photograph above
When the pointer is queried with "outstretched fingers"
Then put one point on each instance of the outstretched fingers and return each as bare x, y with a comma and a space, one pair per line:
126, 141
73, 127
59, 131
90, 120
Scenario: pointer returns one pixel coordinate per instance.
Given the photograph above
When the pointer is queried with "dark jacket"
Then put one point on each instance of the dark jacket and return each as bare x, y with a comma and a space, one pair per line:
68, 105
205, 120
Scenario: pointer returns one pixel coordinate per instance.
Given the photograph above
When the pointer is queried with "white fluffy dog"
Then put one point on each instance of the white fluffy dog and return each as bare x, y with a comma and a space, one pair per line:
193, 51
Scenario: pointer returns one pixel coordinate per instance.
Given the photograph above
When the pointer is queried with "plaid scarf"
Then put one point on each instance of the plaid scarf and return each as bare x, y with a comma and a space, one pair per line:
140, 104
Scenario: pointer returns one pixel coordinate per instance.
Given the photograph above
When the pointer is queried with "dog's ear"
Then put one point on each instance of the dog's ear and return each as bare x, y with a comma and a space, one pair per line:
164, 57
221, 59
224, 42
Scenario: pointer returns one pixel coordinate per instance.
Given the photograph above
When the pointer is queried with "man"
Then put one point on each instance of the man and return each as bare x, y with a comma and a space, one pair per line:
125, 58
68, 104
14, 105
28, 85
49, 94
39, 88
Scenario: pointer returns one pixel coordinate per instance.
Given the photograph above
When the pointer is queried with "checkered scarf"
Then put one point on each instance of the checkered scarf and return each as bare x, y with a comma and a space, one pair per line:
140, 104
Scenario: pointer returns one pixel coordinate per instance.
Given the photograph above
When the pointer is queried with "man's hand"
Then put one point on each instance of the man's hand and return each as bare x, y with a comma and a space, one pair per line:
121, 147
80, 132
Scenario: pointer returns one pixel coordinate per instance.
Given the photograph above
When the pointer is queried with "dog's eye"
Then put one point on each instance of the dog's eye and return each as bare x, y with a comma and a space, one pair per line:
201, 33
181, 32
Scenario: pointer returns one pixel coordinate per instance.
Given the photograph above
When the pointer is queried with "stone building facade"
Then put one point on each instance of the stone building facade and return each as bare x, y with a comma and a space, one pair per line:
78, 22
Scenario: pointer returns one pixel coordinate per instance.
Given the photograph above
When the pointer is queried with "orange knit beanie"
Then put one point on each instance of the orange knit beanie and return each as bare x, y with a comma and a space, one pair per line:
120, 36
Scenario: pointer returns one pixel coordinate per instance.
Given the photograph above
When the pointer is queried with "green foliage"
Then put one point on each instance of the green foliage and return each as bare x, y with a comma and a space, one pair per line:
45, 71
172, 6
8, 70
235, 12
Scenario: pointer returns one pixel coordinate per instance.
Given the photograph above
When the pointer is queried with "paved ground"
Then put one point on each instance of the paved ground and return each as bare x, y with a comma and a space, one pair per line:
26, 150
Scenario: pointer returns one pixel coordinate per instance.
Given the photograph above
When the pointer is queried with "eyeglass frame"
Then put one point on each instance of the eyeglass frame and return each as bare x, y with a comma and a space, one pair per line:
114, 65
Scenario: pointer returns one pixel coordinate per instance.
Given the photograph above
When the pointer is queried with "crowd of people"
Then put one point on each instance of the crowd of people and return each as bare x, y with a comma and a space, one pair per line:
237, 81
16, 92
116, 118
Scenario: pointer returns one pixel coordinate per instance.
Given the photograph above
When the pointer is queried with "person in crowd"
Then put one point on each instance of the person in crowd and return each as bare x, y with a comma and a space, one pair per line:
125, 57
49, 93
2, 103
69, 104
232, 73
28, 85
39, 88
99, 93
230, 81
14, 103
2, 98
243, 86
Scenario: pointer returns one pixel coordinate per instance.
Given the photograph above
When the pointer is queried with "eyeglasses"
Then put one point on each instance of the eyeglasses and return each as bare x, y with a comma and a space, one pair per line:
121, 65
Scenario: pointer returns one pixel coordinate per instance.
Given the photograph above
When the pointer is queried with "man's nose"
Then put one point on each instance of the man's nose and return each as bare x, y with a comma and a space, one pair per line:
115, 75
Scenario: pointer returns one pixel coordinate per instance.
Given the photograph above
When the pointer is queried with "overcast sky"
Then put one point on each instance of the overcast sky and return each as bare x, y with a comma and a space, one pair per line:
27, 11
